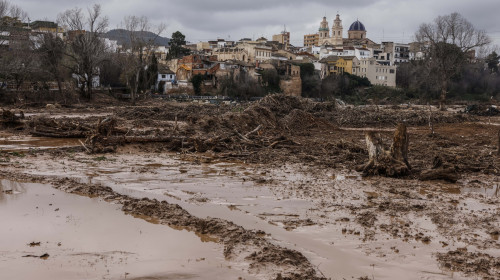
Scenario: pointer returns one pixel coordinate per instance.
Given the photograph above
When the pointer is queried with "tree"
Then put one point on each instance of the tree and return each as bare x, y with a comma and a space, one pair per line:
51, 52
197, 80
140, 52
176, 46
87, 49
8, 12
18, 62
448, 39
492, 61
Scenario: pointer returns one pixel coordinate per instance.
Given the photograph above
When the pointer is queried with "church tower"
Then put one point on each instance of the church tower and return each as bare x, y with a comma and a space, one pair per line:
337, 31
324, 31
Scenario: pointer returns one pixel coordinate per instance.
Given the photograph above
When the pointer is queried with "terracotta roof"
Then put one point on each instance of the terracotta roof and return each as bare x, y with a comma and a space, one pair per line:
348, 57
331, 58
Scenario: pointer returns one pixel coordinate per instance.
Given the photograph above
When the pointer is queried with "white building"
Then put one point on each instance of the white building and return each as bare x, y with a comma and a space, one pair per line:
377, 74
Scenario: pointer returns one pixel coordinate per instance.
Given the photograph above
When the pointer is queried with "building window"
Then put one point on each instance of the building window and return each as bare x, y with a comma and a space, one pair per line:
163, 76
392, 71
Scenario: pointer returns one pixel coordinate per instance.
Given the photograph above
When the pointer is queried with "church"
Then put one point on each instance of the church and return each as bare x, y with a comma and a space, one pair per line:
356, 35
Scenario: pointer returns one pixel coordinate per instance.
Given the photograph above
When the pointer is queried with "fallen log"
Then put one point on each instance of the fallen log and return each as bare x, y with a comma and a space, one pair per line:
60, 134
391, 162
446, 174
439, 171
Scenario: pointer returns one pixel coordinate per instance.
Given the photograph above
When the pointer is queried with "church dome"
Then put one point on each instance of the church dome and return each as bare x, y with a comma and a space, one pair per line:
357, 26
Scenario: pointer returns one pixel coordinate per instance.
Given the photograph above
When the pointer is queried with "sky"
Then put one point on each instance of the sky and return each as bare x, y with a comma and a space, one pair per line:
203, 20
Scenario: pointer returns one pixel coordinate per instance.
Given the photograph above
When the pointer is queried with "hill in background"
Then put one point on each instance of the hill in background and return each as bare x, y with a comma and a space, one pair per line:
122, 37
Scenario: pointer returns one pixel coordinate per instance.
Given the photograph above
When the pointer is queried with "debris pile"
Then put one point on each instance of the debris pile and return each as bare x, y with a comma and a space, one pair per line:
9, 118
60, 127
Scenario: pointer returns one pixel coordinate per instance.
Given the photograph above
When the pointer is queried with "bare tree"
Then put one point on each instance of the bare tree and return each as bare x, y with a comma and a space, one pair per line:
51, 50
449, 38
17, 60
87, 48
9, 10
142, 43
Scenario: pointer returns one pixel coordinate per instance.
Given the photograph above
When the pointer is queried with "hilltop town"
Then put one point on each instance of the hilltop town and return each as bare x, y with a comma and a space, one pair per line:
136, 59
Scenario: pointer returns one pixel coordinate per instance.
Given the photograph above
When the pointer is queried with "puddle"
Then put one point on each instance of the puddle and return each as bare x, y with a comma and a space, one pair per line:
493, 191
77, 237
12, 144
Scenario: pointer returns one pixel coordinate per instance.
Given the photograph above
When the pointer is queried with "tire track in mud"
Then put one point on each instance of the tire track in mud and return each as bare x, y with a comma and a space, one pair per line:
250, 247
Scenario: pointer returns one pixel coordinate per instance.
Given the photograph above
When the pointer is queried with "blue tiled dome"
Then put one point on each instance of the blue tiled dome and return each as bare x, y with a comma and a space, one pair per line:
357, 26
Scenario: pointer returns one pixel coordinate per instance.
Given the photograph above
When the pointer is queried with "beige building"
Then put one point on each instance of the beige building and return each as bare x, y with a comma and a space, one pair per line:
257, 51
283, 38
290, 82
311, 40
234, 53
323, 37
377, 74
337, 32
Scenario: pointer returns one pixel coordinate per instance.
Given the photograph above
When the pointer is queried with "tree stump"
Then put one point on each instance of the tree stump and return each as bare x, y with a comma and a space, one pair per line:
391, 162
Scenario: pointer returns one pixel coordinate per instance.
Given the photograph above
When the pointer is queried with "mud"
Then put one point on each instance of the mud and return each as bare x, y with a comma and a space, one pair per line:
273, 183
49, 234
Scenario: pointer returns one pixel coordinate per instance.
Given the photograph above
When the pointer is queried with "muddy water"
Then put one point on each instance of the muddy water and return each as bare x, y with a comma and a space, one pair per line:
17, 144
75, 237
257, 199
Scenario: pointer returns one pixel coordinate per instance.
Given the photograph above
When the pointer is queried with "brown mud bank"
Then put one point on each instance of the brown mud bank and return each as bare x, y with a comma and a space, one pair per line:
49, 234
248, 247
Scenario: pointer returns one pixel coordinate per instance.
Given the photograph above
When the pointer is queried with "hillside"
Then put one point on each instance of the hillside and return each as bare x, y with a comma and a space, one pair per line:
122, 37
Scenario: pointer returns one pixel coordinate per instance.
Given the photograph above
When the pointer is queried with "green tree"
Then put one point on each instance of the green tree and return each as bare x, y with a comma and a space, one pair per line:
271, 80
176, 46
197, 80
311, 82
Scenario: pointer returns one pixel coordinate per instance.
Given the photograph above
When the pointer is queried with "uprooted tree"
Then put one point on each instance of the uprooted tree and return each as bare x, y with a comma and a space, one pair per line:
392, 162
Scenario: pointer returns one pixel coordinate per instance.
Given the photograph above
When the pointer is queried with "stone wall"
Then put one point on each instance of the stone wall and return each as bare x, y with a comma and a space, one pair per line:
291, 86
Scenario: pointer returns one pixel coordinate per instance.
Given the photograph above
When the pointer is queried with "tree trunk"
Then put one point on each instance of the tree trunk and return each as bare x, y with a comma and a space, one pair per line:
392, 162
89, 88
136, 86
399, 148
442, 97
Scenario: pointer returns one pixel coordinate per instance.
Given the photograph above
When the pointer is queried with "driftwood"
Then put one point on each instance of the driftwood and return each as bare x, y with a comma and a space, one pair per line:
439, 171
60, 128
391, 162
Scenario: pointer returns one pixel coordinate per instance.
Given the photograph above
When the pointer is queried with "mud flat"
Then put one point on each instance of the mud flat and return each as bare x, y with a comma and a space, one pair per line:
49, 234
273, 183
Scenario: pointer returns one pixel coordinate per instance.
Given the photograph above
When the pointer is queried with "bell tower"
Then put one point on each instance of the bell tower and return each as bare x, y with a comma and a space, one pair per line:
324, 31
337, 31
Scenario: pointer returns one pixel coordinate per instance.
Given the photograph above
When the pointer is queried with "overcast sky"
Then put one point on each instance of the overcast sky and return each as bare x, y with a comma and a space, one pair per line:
202, 20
